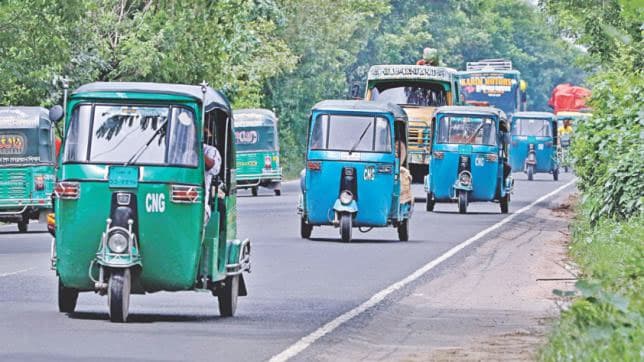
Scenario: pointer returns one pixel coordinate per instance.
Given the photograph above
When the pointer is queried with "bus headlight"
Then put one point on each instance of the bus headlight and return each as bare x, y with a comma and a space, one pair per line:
117, 243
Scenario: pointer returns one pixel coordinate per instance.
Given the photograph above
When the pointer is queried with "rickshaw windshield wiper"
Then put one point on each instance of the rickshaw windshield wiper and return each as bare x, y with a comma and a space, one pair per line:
360, 139
142, 149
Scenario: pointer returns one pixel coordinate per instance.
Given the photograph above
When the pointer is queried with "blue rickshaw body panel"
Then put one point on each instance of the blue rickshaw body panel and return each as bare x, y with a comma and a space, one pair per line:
544, 150
374, 200
443, 173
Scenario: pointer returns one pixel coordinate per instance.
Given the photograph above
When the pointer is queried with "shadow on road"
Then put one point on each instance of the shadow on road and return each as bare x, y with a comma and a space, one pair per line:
149, 317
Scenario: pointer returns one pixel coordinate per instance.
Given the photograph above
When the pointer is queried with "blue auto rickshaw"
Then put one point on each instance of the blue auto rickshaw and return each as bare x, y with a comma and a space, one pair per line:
534, 144
469, 153
356, 169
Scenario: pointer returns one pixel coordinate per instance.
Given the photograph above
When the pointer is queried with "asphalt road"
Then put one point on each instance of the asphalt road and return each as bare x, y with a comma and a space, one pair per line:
295, 285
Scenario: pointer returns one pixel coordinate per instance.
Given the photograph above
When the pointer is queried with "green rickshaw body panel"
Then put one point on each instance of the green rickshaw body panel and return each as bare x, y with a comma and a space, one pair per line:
250, 166
167, 246
18, 187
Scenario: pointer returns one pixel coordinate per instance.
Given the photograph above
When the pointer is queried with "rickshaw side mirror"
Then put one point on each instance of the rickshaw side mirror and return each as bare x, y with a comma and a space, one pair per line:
56, 113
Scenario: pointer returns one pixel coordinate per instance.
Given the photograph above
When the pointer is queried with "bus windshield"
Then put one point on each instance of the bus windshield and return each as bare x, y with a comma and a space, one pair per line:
155, 135
260, 138
351, 133
407, 93
466, 130
22, 146
490, 89
531, 127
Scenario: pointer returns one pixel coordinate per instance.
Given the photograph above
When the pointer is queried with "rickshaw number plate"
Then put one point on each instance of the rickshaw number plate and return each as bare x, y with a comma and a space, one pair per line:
346, 156
123, 177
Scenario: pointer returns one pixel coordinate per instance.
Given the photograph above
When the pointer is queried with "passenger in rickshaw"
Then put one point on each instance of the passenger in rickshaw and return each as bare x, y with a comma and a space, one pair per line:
212, 160
405, 176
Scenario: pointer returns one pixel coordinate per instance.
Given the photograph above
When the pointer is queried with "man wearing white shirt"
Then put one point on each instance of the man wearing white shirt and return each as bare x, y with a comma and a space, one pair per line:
212, 160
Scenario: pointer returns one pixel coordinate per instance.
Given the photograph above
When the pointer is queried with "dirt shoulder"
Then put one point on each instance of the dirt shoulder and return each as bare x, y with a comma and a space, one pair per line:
496, 304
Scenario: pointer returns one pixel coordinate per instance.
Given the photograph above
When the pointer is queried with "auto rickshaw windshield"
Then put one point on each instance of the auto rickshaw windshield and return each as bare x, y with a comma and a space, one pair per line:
531, 127
351, 133
153, 135
466, 130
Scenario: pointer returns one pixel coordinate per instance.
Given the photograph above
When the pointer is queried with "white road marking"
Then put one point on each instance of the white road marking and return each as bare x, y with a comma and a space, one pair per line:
306, 341
16, 272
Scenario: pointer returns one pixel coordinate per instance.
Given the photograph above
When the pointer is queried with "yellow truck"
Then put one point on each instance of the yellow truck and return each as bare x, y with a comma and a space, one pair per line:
419, 89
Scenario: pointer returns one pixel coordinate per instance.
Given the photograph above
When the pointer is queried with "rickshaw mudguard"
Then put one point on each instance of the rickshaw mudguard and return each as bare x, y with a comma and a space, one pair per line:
351, 207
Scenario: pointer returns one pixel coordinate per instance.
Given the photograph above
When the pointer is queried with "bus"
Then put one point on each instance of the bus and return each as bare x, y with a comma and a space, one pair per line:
492, 82
419, 90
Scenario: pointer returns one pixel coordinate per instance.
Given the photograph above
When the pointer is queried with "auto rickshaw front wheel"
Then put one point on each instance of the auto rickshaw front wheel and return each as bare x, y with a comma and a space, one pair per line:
67, 298
345, 227
254, 190
403, 230
118, 295
462, 202
23, 224
555, 174
227, 296
530, 171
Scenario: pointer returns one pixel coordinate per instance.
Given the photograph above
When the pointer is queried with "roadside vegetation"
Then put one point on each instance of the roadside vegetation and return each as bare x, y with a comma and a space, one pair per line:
281, 54
606, 319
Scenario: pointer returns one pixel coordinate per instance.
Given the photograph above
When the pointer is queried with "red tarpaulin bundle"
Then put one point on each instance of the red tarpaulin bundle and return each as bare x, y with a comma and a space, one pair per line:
566, 97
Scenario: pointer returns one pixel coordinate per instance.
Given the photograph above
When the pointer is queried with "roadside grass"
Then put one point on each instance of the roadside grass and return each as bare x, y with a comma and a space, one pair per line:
605, 321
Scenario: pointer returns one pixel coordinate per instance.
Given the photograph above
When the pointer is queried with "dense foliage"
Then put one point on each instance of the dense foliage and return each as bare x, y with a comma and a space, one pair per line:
281, 54
607, 321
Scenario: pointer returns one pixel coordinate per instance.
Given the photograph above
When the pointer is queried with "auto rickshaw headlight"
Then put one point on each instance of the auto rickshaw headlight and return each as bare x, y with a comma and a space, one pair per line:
465, 178
346, 197
117, 242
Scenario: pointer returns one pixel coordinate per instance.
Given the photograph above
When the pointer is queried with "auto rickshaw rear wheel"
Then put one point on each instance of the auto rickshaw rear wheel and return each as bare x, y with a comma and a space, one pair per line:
23, 226
253, 191
403, 230
67, 298
462, 201
530, 171
118, 295
555, 174
305, 229
227, 296
278, 192
430, 202
504, 202
345, 227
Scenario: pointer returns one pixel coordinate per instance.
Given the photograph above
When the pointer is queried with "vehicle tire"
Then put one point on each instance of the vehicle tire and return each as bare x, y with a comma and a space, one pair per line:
555, 174
23, 226
118, 295
305, 229
227, 296
530, 171
462, 202
403, 230
566, 169
67, 298
429, 206
253, 191
278, 192
345, 227
505, 202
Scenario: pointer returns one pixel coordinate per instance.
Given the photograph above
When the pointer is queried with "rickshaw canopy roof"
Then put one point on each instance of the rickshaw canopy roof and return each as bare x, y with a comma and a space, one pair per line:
361, 106
213, 99
543, 115
476, 111
22, 117
254, 117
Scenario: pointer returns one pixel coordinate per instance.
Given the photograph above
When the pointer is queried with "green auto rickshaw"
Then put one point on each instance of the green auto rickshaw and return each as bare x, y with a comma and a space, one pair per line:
136, 211
27, 162
258, 150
